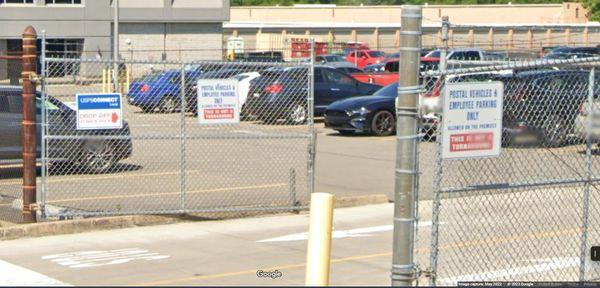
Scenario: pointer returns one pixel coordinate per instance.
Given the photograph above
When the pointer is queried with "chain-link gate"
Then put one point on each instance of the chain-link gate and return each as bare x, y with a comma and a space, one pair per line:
163, 160
531, 213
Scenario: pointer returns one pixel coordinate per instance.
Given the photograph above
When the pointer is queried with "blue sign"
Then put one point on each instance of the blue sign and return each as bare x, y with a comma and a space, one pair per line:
99, 111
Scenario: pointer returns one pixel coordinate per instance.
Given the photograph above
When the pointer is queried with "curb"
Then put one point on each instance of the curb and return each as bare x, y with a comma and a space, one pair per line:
118, 222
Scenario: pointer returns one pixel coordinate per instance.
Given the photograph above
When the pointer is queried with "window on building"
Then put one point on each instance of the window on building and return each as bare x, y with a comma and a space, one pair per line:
16, 1
63, 1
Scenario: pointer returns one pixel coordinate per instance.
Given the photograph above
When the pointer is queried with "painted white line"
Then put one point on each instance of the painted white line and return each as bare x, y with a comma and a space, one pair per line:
542, 265
358, 232
86, 259
13, 275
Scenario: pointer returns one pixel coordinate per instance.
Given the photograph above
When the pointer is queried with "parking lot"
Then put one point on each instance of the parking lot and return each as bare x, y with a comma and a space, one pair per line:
345, 165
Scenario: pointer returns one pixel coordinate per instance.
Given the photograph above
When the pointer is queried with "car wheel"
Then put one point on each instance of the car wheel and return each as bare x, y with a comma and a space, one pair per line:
555, 131
98, 156
383, 123
346, 132
168, 104
297, 114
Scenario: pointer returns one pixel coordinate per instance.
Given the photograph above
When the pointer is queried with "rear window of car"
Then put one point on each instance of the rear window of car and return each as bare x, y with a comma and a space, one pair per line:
377, 54
433, 54
152, 77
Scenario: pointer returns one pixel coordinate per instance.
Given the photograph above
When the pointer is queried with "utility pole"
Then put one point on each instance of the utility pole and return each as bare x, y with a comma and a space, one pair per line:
444, 49
28, 75
116, 47
404, 271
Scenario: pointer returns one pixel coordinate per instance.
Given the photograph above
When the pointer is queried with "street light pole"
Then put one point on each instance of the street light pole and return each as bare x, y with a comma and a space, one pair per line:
404, 270
116, 46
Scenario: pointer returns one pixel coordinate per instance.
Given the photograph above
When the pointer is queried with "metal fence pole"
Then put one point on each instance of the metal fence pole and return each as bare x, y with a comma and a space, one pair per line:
44, 127
28, 124
311, 121
435, 213
182, 137
444, 50
586, 189
116, 47
403, 269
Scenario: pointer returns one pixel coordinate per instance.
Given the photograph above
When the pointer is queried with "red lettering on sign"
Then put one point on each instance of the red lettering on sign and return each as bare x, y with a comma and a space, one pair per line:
471, 142
222, 113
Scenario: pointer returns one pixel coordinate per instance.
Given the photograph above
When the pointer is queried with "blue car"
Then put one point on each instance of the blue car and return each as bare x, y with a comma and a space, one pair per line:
373, 114
160, 90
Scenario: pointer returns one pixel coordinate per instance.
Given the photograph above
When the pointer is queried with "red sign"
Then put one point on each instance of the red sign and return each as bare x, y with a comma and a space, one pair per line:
221, 113
471, 141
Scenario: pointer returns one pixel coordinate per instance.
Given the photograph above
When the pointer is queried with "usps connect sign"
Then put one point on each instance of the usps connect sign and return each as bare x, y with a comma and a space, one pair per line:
99, 111
472, 120
218, 101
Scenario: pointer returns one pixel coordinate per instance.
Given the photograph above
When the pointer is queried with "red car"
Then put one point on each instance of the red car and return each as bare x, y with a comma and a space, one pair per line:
362, 58
391, 74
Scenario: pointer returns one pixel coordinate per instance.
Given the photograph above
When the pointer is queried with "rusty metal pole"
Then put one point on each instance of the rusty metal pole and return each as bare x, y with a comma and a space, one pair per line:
28, 124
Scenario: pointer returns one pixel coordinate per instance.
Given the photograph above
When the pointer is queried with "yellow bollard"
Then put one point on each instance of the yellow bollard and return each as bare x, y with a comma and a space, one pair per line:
319, 240
104, 81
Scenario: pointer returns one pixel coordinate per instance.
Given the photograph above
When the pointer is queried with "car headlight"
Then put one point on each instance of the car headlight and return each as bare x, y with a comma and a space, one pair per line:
360, 111
378, 61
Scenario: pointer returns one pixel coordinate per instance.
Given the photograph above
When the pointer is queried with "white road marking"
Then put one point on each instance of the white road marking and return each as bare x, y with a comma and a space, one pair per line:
542, 265
13, 275
358, 232
86, 259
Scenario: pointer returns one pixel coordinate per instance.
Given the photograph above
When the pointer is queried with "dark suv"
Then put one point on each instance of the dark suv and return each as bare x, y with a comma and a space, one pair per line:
544, 103
92, 154
282, 93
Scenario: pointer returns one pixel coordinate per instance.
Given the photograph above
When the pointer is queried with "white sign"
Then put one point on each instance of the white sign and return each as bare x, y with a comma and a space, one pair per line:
99, 111
218, 101
472, 120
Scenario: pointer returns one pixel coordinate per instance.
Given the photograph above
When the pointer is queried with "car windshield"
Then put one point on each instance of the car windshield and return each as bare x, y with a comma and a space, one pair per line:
377, 54
335, 58
240, 77
433, 54
152, 77
388, 91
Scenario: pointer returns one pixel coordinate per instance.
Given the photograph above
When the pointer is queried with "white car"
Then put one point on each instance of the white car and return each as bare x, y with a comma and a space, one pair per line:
244, 84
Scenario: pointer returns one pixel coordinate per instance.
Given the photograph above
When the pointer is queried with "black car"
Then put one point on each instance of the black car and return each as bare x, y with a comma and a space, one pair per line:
93, 154
282, 93
566, 52
544, 104
371, 114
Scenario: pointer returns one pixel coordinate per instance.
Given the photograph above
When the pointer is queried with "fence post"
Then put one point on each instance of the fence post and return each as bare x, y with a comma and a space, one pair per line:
404, 271
182, 137
444, 50
44, 127
311, 121
588, 180
115, 72
28, 124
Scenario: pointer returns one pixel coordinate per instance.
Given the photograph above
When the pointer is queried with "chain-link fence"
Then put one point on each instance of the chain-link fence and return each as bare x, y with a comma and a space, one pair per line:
10, 139
530, 213
164, 159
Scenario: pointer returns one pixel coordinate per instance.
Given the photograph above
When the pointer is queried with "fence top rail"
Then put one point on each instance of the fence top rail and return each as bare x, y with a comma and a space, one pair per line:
198, 62
510, 65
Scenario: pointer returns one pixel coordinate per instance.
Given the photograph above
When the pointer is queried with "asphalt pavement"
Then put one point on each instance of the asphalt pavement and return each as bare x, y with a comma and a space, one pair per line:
232, 252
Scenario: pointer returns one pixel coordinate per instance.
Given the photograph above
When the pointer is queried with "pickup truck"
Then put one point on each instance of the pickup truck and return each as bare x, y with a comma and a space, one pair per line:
391, 72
